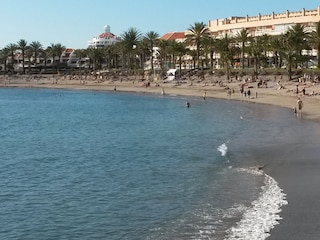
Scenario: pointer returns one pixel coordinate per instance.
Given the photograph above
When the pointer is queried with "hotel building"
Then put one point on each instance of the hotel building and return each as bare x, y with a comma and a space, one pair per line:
271, 24
104, 39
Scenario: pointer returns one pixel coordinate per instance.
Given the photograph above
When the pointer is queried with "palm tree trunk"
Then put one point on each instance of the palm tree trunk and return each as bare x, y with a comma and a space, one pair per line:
318, 56
23, 70
290, 72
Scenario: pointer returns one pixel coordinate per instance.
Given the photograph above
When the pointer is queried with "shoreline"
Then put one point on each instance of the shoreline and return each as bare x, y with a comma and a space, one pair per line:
283, 96
295, 165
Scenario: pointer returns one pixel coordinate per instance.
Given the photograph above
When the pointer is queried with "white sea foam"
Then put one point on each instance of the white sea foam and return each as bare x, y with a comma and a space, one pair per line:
263, 215
223, 149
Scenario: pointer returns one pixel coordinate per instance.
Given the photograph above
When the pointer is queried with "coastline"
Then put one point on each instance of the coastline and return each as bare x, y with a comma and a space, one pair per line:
273, 95
295, 168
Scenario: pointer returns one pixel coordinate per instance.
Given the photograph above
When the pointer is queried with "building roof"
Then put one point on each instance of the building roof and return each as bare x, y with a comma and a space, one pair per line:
173, 36
107, 34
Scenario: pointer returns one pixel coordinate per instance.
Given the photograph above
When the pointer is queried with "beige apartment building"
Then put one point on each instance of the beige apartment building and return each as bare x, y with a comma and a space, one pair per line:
272, 24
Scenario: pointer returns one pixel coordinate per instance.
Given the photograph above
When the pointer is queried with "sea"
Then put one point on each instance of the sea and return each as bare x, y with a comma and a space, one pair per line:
131, 166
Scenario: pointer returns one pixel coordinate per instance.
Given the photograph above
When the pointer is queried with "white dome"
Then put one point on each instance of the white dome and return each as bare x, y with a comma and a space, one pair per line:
107, 28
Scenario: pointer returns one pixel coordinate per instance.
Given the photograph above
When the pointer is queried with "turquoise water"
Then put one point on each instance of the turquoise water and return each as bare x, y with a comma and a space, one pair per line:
97, 165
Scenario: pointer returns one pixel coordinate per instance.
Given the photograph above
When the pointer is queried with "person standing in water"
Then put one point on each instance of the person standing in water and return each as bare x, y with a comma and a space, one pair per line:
299, 107
187, 104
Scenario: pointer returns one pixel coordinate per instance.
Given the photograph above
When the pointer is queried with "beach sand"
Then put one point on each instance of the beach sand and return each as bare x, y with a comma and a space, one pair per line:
296, 166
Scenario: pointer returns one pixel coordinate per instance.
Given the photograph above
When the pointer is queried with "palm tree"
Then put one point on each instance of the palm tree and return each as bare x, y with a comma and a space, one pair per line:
55, 50
289, 53
301, 38
195, 37
151, 37
276, 47
175, 49
298, 36
315, 40
107, 51
265, 42
243, 37
164, 51
36, 47
44, 53
171, 53
5, 53
130, 40
96, 56
143, 51
29, 53
116, 50
227, 50
210, 47
256, 51
22, 45
12, 47
294, 43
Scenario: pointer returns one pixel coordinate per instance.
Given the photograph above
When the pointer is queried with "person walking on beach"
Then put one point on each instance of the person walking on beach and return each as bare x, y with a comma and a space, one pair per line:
204, 95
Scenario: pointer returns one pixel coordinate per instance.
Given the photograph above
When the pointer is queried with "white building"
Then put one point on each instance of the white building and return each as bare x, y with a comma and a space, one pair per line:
104, 39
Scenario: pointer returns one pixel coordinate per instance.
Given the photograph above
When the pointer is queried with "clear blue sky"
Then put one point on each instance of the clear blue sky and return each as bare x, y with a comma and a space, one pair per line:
73, 22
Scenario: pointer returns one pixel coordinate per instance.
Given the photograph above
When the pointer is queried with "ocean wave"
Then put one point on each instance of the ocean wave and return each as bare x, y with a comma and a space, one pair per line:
263, 215
223, 149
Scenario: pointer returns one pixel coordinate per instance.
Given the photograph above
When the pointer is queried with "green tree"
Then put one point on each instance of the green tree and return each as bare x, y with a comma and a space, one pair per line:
256, 51
210, 47
276, 47
227, 50
195, 37
12, 47
36, 47
179, 48
29, 53
315, 40
80, 53
294, 41
130, 40
55, 51
151, 37
4, 54
116, 51
22, 45
96, 56
164, 52
243, 37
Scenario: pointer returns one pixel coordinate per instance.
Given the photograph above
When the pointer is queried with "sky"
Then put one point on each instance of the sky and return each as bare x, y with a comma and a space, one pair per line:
73, 23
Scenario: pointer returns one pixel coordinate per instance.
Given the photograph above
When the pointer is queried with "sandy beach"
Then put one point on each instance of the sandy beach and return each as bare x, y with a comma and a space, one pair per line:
280, 92
296, 169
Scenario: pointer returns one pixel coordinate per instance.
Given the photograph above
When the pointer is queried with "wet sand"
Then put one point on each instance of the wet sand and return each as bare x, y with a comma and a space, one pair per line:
295, 165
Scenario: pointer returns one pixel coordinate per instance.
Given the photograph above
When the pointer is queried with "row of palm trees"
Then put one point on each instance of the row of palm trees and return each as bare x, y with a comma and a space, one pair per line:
263, 50
33, 50
203, 49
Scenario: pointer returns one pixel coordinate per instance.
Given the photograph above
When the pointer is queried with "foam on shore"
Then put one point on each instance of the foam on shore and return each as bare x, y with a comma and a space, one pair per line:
263, 215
